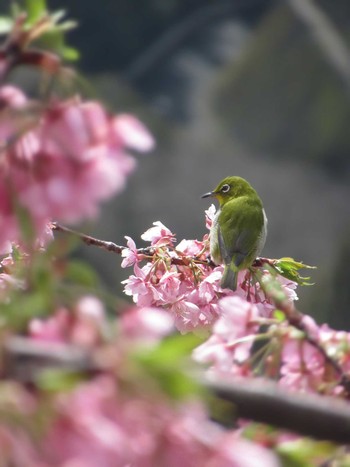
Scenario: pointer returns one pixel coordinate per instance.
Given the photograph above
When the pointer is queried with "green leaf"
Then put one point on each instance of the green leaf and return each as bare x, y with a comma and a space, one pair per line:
81, 273
173, 349
35, 9
26, 224
166, 362
288, 268
70, 54
305, 452
6, 24
56, 380
279, 315
22, 308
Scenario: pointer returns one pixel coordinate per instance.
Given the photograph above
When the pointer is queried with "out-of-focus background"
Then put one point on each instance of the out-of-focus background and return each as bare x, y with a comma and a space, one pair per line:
256, 88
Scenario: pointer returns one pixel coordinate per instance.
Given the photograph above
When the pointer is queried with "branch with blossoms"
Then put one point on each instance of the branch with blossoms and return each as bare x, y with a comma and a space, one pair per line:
189, 261
130, 378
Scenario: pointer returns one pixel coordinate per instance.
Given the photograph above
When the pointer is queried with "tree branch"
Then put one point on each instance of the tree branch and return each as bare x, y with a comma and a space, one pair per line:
296, 319
320, 417
293, 316
263, 401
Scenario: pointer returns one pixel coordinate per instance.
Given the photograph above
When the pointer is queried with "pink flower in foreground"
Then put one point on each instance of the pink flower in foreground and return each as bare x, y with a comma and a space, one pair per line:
53, 329
237, 452
146, 325
117, 428
233, 335
82, 325
61, 162
133, 134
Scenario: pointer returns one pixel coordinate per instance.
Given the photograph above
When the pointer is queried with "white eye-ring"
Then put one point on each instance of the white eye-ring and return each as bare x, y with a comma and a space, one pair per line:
225, 188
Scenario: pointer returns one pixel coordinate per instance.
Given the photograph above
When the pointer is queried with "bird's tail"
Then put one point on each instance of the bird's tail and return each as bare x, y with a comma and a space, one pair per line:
229, 278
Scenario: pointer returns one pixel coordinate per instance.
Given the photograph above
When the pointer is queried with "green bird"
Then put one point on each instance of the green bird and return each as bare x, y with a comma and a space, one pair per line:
239, 229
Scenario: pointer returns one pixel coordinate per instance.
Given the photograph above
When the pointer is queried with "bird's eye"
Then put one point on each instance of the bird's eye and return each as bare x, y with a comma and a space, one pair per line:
225, 188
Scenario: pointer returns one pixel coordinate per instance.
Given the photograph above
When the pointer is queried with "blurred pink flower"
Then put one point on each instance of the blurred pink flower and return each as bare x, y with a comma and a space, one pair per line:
61, 162
303, 366
132, 133
186, 315
115, 429
233, 451
83, 325
53, 329
232, 337
146, 325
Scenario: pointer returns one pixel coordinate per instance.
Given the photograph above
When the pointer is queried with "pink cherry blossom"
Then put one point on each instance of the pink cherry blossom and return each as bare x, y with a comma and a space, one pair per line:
129, 254
209, 216
61, 161
180, 279
140, 288
82, 325
233, 451
233, 335
303, 366
132, 133
158, 235
146, 325
53, 329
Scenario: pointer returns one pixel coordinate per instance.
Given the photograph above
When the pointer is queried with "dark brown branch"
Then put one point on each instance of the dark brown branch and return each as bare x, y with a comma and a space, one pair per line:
320, 417
262, 401
25, 358
147, 252
91, 241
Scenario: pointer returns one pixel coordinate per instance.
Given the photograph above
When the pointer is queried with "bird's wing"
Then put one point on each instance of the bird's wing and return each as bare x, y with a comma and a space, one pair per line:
238, 232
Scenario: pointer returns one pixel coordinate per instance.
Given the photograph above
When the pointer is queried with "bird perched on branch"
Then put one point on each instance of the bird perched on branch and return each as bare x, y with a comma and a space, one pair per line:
238, 232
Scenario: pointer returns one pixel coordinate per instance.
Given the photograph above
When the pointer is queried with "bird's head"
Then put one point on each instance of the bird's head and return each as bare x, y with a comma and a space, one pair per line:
229, 188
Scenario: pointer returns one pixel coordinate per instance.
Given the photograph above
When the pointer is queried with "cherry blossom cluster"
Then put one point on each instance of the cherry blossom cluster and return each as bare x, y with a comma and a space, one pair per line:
248, 338
99, 422
60, 161
180, 279
294, 358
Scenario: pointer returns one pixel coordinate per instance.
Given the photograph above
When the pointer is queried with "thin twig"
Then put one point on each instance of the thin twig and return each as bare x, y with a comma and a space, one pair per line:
147, 252
296, 319
88, 240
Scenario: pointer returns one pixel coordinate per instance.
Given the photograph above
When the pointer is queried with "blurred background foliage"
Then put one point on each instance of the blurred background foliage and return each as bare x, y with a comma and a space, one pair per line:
239, 87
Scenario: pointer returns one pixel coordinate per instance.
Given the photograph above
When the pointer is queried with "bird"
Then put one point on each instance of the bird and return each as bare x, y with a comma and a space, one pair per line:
239, 228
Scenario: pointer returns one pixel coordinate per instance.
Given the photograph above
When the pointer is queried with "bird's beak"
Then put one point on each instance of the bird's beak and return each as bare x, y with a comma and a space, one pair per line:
210, 194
